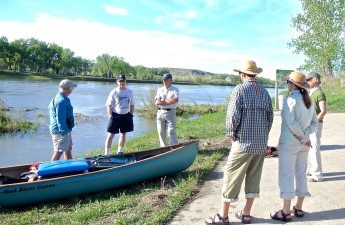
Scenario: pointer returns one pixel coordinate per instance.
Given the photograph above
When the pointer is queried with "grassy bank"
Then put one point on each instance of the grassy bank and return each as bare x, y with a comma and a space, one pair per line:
149, 202
32, 76
8, 125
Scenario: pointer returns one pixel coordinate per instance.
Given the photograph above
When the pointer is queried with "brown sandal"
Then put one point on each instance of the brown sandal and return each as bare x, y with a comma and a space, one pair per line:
297, 212
241, 216
283, 218
221, 220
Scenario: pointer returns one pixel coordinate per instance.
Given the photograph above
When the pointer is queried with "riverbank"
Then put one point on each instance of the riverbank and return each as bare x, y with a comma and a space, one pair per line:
8, 125
17, 75
201, 81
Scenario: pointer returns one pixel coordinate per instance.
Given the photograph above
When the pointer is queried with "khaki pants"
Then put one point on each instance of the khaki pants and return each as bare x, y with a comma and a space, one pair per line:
242, 166
166, 120
62, 143
293, 169
314, 158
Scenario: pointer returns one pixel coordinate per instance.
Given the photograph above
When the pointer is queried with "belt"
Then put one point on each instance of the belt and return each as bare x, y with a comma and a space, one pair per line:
164, 109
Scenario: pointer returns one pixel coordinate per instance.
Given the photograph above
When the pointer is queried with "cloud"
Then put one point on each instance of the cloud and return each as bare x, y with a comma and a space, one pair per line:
147, 48
178, 20
115, 11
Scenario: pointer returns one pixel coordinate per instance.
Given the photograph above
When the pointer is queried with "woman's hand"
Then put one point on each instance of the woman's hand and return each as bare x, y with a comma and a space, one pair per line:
299, 137
308, 144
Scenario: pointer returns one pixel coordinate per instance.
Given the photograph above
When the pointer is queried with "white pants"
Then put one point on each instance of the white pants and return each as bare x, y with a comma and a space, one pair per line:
314, 158
167, 120
293, 168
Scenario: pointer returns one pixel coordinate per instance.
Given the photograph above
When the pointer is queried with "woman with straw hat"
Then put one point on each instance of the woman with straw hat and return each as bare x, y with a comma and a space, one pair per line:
298, 121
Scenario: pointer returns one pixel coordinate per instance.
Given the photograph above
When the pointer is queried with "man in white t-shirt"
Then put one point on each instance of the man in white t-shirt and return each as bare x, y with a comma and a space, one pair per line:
120, 108
166, 100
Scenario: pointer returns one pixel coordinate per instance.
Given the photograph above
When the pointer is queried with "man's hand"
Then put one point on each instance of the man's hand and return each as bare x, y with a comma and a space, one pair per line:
170, 101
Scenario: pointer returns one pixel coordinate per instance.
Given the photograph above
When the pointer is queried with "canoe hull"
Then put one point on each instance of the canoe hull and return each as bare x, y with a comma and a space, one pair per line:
167, 163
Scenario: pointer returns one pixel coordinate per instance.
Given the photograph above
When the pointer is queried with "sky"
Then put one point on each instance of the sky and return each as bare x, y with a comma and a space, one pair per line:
212, 35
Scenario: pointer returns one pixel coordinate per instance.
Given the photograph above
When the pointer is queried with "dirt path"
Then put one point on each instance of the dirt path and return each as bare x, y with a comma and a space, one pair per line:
326, 206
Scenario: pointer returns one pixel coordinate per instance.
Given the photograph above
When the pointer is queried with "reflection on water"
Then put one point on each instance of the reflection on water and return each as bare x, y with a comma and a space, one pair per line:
88, 100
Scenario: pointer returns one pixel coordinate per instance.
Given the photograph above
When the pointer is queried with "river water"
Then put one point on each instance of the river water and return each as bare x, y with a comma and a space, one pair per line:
28, 100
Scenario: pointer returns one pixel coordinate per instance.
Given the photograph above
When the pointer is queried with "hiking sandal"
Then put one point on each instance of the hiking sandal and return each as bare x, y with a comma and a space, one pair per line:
241, 216
283, 218
221, 220
297, 212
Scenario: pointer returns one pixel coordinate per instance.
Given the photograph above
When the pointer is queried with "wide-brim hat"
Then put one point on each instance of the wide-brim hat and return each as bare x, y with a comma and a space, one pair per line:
249, 68
298, 79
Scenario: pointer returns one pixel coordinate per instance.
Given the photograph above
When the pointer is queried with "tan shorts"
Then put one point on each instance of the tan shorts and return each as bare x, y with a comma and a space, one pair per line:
61, 142
242, 166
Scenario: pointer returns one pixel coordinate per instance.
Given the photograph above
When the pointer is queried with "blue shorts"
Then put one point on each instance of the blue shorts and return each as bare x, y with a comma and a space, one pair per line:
120, 123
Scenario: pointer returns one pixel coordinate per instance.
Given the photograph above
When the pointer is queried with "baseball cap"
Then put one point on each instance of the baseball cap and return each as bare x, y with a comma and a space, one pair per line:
314, 75
167, 76
121, 77
64, 84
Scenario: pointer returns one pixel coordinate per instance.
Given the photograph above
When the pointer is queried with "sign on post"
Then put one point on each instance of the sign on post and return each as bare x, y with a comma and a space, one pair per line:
280, 77
281, 74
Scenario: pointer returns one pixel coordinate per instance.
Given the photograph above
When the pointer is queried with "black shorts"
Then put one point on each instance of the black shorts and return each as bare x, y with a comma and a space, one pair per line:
120, 123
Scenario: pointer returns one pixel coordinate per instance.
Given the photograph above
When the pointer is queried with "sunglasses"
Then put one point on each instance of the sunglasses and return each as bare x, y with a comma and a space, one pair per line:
122, 81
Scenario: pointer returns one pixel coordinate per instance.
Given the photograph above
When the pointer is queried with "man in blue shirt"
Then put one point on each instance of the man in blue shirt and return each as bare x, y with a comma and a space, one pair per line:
62, 121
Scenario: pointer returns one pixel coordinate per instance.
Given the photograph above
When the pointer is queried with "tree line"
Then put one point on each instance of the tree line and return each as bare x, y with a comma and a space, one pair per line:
33, 55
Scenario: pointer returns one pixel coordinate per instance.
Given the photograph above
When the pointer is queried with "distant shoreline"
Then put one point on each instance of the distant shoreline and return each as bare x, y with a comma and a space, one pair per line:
36, 76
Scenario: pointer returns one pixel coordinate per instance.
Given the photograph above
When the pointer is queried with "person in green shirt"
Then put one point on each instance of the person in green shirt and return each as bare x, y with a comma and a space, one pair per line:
319, 99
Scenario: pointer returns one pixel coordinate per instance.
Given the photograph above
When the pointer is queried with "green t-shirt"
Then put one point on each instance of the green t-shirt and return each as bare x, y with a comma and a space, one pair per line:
317, 97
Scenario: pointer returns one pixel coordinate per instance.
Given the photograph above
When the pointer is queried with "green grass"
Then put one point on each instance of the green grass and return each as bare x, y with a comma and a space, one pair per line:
8, 125
149, 202
335, 100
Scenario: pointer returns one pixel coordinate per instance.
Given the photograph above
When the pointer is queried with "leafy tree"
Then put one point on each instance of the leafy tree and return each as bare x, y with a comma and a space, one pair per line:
38, 58
141, 73
103, 66
108, 66
321, 29
4, 52
56, 57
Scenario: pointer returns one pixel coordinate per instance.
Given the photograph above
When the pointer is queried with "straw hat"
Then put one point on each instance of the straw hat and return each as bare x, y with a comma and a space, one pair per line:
250, 68
298, 79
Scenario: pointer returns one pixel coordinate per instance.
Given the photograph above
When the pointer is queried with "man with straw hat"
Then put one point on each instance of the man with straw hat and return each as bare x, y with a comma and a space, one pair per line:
249, 121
